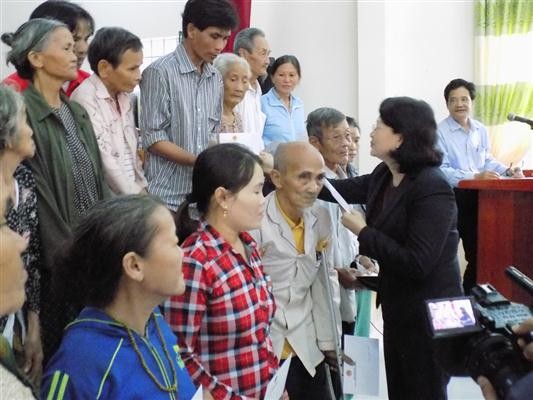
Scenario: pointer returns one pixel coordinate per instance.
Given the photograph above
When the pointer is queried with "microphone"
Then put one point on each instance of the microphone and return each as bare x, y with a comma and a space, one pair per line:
514, 117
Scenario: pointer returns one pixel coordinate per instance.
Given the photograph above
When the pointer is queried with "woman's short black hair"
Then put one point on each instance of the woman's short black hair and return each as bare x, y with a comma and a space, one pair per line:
227, 165
205, 13
90, 267
415, 121
286, 59
65, 11
110, 44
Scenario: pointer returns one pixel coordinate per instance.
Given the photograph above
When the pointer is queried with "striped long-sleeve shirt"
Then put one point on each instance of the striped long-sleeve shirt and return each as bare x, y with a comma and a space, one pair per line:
181, 105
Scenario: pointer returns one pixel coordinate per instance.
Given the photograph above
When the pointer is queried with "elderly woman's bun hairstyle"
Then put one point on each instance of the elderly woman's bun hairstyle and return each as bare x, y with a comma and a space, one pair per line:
32, 35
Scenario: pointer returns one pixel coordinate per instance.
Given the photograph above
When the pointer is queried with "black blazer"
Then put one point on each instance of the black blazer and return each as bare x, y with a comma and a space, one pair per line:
414, 238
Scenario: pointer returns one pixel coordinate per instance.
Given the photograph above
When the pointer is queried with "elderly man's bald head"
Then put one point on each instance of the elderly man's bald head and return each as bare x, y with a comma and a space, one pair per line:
298, 175
288, 153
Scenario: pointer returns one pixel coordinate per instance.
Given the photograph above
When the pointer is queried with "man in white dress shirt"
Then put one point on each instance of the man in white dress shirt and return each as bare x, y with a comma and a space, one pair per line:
252, 45
466, 147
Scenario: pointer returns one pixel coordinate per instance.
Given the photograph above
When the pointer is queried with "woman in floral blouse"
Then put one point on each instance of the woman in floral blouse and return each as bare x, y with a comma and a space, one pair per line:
16, 145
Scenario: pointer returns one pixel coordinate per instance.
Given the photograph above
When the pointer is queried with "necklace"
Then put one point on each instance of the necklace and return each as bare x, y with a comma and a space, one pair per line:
174, 386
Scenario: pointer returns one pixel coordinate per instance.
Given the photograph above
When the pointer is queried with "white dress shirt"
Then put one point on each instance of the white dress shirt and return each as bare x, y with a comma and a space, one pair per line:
249, 109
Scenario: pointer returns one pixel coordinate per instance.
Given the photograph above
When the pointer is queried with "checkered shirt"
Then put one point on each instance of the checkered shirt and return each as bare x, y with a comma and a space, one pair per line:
222, 321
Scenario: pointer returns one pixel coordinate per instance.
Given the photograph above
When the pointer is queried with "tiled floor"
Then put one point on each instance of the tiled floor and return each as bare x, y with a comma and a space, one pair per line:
458, 388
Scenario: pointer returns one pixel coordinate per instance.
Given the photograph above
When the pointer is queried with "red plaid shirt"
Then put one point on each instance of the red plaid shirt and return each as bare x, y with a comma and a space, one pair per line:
222, 321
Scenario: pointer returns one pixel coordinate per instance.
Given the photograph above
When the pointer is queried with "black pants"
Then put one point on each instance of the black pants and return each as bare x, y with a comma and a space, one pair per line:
467, 210
413, 372
348, 328
302, 386
56, 313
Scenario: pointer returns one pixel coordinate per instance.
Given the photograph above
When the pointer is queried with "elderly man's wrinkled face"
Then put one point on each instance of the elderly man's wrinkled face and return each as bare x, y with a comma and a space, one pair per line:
334, 144
300, 182
258, 57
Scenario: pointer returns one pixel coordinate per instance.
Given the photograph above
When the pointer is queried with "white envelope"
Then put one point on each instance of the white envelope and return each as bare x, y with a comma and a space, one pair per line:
251, 140
199, 395
363, 377
276, 386
337, 196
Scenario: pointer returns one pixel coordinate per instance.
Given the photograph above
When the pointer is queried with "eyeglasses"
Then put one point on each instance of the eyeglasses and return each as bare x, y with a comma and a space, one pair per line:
340, 137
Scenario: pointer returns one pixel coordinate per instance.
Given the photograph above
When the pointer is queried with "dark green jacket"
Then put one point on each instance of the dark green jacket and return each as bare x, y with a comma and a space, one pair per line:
52, 168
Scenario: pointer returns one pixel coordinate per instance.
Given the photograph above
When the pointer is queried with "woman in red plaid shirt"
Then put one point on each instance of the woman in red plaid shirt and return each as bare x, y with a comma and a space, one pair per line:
223, 319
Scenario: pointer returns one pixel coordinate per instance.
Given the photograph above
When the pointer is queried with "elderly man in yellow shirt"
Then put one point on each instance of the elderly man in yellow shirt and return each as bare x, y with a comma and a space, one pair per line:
292, 236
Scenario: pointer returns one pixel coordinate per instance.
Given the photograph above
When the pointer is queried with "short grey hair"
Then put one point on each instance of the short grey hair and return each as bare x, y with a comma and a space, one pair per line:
225, 61
323, 117
245, 39
32, 35
11, 104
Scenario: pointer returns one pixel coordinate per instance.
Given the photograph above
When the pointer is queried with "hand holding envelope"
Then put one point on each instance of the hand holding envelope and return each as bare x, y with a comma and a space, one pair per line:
354, 221
351, 219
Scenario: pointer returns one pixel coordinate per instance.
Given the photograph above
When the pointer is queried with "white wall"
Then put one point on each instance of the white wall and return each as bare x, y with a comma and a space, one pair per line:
353, 53
323, 36
410, 48
155, 18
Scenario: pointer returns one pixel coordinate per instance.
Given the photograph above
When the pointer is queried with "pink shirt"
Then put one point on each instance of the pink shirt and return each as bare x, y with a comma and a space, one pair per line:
116, 135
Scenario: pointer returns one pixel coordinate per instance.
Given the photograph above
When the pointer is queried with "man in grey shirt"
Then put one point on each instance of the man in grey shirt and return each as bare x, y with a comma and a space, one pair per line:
181, 99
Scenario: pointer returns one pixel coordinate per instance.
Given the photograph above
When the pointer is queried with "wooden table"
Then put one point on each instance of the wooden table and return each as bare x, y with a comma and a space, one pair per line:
505, 232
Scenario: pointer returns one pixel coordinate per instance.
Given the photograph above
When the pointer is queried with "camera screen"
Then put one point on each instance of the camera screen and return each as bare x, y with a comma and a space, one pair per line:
452, 316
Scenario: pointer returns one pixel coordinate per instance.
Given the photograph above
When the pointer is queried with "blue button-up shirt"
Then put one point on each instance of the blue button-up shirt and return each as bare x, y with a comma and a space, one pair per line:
466, 153
281, 124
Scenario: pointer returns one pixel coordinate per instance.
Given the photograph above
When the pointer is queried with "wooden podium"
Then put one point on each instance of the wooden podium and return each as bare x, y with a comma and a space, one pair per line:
505, 232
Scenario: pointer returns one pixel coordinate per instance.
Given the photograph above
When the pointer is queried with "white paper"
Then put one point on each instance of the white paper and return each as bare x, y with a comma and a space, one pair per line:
337, 196
253, 141
363, 377
199, 395
276, 386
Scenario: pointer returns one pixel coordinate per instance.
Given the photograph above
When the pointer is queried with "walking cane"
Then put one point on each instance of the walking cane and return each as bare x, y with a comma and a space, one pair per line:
333, 323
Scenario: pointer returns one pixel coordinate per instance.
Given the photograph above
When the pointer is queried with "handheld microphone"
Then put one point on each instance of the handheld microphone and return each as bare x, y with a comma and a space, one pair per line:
520, 278
514, 117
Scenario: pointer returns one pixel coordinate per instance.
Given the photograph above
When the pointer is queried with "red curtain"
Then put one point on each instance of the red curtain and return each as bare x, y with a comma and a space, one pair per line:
243, 8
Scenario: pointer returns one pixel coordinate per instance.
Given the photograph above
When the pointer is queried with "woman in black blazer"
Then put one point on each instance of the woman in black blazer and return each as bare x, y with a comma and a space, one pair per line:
410, 229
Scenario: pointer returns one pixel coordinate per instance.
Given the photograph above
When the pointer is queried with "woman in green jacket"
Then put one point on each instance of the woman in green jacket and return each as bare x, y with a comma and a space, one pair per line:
67, 165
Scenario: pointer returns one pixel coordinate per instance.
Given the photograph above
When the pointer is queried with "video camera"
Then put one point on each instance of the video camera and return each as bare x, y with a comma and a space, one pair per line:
474, 334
